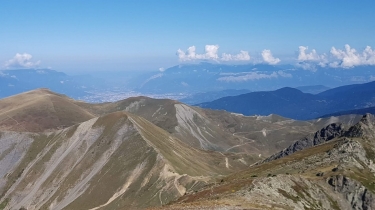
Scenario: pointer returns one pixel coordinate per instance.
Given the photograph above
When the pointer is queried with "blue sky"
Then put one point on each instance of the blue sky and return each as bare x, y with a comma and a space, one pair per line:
83, 36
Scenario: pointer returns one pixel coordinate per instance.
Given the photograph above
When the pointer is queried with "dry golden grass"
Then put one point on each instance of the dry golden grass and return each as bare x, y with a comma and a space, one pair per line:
40, 110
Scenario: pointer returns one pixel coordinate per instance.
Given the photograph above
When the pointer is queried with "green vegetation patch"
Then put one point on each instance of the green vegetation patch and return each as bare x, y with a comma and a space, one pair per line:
4, 204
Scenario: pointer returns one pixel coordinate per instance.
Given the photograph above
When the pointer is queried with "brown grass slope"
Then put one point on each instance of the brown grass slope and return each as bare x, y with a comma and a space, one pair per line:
117, 161
40, 110
219, 130
338, 174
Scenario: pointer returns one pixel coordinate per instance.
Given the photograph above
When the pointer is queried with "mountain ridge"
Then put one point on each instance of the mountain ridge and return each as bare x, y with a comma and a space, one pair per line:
62, 172
292, 103
160, 151
334, 174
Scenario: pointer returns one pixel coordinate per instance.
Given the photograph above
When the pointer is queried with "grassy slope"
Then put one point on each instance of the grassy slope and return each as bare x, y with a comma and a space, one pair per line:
118, 160
40, 110
303, 165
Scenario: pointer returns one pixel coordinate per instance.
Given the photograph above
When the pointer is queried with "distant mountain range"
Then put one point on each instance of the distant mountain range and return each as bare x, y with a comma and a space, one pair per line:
293, 103
363, 111
192, 83
17, 81
206, 77
212, 95
313, 89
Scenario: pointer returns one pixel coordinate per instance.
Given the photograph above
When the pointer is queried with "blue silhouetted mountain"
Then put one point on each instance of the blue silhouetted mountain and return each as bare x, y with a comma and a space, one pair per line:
17, 81
363, 111
313, 89
292, 103
212, 95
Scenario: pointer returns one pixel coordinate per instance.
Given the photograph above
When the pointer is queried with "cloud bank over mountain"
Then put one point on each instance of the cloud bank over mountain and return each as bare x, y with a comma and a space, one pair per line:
350, 57
268, 57
337, 58
211, 53
307, 59
250, 76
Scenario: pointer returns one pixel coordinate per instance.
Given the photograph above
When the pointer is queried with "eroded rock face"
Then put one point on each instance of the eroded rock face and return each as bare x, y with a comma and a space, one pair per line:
364, 128
323, 135
353, 191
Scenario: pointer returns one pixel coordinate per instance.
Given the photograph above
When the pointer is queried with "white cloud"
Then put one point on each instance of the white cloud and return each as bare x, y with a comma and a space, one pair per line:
358, 79
311, 66
211, 53
161, 69
268, 58
309, 60
303, 56
242, 56
350, 57
184, 84
247, 77
284, 74
21, 61
190, 54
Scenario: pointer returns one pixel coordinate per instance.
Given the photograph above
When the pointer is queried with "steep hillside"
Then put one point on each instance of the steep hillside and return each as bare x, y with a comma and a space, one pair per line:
43, 110
40, 110
218, 130
334, 174
118, 161
143, 152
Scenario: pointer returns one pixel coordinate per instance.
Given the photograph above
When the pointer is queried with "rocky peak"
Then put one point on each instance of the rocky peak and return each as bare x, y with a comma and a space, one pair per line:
321, 136
364, 128
353, 191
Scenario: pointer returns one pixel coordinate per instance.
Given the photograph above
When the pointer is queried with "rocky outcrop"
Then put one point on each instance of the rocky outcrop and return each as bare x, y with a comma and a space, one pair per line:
364, 128
323, 135
354, 192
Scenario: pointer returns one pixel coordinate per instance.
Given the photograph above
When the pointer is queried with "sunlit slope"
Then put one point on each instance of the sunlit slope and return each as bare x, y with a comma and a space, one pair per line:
40, 110
118, 161
43, 110
218, 130
334, 174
